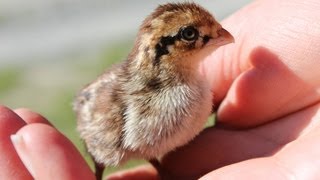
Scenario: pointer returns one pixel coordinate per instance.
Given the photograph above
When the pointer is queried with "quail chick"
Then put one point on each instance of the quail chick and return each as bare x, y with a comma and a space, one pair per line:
155, 100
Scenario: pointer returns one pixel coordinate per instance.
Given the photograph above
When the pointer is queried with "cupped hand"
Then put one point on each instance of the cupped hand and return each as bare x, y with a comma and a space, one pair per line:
266, 92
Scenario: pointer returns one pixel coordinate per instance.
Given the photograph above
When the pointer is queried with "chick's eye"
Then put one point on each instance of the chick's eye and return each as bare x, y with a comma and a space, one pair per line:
189, 33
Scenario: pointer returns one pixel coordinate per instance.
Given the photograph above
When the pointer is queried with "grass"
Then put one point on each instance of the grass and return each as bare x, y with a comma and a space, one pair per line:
211, 120
114, 54
9, 78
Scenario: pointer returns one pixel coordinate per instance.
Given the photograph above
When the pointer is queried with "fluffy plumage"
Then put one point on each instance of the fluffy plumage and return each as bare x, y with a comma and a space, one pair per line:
155, 101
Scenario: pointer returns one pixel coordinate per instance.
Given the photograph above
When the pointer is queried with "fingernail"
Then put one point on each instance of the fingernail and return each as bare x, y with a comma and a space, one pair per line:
19, 145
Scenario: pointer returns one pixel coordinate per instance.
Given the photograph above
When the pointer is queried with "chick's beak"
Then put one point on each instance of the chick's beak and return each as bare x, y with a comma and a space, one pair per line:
224, 37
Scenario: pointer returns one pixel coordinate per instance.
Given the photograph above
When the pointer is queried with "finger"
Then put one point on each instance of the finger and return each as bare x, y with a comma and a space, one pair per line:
293, 44
31, 117
141, 172
297, 160
47, 154
263, 168
259, 95
10, 163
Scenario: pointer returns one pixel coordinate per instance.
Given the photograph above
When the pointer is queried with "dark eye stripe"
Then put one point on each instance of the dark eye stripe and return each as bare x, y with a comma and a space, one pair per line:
162, 48
206, 39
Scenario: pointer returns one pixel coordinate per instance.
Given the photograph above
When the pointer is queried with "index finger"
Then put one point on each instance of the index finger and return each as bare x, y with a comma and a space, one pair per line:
31, 117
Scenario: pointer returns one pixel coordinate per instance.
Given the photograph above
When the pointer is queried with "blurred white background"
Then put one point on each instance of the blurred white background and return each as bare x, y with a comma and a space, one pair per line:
44, 30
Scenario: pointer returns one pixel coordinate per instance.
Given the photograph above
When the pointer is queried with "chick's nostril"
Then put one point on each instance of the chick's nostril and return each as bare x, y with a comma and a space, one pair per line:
222, 32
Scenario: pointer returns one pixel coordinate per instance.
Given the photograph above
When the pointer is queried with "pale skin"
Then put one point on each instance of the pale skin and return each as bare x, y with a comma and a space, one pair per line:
269, 80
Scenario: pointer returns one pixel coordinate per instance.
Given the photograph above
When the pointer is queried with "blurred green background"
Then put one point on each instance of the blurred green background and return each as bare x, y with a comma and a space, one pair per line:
50, 49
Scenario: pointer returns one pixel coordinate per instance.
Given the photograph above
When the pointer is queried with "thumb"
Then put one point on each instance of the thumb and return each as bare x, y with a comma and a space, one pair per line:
271, 70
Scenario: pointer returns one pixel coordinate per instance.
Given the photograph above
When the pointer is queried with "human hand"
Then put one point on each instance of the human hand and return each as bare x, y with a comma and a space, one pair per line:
266, 89
45, 152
